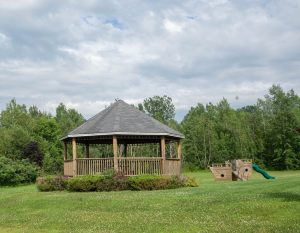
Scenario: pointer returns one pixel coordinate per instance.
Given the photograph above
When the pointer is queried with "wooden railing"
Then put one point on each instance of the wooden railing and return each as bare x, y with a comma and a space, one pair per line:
221, 165
68, 167
140, 165
172, 167
129, 166
92, 166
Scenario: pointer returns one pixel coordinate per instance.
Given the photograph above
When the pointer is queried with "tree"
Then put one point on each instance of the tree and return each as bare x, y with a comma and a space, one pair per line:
160, 108
215, 133
15, 115
67, 119
32, 152
282, 141
13, 141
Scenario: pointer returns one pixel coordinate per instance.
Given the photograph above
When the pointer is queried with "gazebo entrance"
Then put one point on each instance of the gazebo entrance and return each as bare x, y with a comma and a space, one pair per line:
121, 129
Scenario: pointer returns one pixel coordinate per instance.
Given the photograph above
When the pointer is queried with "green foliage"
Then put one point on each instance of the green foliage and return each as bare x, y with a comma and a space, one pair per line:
265, 132
32, 152
34, 135
152, 182
268, 132
15, 115
280, 120
215, 134
51, 183
16, 172
190, 182
67, 119
47, 129
13, 141
53, 161
84, 183
160, 108
111, 181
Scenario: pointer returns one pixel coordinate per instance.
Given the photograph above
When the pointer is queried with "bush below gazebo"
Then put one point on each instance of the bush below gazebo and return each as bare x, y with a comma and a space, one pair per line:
113, 182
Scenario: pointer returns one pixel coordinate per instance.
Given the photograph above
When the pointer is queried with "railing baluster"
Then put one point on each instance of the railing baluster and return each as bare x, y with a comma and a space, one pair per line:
127, 165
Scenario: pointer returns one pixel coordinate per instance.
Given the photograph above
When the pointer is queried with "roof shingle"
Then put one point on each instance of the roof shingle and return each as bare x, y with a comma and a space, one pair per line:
121, 118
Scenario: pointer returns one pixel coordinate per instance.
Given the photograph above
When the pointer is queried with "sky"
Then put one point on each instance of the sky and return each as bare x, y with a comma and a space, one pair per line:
88, 53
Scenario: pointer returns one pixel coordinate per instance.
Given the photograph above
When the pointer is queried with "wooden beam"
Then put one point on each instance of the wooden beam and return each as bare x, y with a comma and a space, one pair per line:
87, 150
115, 149
65, 151
163, 152
74, 153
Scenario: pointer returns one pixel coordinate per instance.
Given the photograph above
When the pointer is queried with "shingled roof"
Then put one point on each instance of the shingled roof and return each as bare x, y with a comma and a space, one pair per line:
121, 118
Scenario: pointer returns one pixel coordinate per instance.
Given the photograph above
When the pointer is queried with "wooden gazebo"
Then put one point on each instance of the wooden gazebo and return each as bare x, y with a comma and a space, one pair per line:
122, 128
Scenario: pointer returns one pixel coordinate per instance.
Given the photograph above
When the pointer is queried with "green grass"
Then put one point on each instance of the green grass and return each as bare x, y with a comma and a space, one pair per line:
258, 205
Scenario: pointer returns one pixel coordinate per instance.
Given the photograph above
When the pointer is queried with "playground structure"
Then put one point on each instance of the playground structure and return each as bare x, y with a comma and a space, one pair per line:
261, 171
238, 169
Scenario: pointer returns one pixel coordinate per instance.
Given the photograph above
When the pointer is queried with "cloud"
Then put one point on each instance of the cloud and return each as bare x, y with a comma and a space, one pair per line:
172, 26
88, 53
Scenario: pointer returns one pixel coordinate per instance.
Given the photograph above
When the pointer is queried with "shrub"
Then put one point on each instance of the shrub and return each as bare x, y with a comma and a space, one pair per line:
190, 182
51, 183
114, 182
151, 182
147, 182
84, 183
16, 172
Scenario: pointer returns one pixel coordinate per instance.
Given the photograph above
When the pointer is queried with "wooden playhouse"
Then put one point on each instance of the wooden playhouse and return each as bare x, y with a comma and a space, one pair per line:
238, 169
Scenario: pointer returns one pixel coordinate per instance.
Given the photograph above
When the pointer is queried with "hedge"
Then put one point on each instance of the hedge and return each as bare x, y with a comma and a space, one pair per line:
113, 183
51, 183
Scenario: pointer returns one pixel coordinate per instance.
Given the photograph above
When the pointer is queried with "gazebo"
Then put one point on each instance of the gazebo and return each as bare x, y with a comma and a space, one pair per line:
122, 130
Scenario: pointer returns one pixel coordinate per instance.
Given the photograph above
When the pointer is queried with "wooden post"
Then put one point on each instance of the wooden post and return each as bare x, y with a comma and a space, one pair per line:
163, 152
74, 156
87, 150
115, 149
179, 146
65, 151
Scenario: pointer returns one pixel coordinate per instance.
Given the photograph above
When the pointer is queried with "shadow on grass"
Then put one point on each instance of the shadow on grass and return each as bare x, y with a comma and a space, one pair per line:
285, 196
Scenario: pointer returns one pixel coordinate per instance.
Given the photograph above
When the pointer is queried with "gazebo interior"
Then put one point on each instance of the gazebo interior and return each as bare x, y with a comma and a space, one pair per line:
127, 154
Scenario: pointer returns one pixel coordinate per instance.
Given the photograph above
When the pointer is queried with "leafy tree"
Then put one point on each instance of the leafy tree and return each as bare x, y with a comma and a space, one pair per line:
160, 108
67, 119
215, 133
13, 141
15, 115
281, 137
32, 152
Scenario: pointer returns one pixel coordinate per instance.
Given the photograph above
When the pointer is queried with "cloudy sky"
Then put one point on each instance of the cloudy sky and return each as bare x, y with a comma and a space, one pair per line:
87, 53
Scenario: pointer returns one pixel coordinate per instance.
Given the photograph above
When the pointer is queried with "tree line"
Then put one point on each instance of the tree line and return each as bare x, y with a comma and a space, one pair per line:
267, 132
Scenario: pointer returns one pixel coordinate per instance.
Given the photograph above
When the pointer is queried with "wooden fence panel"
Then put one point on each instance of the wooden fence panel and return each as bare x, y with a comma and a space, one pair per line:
68, 167
140, 165
92, 166
172, 167
129, 166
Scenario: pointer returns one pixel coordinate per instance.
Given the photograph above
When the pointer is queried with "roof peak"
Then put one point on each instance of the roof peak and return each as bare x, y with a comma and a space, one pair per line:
123, 118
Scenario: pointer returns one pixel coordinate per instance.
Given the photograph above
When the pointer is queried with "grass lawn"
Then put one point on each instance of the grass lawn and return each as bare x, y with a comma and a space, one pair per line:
258, 205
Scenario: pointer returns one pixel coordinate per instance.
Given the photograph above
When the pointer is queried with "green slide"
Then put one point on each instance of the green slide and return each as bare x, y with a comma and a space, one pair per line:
261, 171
